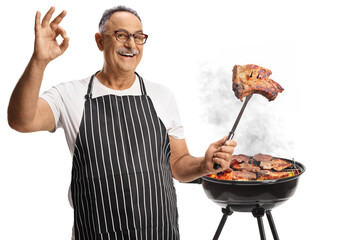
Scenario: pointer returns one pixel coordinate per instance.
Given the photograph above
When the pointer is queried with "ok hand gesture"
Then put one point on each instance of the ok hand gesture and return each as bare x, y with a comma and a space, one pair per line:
46, 47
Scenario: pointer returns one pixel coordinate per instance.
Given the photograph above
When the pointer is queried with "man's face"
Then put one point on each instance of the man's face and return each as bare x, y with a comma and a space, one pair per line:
117, 60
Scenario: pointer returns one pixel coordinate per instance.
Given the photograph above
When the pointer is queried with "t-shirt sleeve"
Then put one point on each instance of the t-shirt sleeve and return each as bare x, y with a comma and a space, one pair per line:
174, 125
53, 98
166, 108
66, 101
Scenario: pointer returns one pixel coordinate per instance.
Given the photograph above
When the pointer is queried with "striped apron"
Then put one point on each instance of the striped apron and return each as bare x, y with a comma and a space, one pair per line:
121, 184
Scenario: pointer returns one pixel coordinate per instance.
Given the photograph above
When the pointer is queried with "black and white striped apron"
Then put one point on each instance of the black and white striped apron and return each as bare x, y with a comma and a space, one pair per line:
122, 186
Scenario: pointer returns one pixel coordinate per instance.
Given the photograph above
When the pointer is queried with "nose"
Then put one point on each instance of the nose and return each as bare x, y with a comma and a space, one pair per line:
130, 43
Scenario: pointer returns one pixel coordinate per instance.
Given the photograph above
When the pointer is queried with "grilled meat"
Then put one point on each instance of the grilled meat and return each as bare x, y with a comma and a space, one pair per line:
262, 157
249, 167
244, 166
279, 164
267, 165
267, 175
237, 159
248, 79
241, 158
264, 167
276, 164
242, 175
235, 164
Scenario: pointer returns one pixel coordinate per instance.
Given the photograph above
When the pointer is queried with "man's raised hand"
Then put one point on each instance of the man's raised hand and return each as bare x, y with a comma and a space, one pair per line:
46, 47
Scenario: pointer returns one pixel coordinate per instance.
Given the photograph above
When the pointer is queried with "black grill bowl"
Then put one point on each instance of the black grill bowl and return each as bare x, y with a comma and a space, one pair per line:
244, 196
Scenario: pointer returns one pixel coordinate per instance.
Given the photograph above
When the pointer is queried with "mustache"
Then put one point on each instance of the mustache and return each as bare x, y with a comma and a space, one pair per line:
123, 50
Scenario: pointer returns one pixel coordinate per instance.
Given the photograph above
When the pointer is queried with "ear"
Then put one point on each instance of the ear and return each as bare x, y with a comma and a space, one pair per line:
99, 41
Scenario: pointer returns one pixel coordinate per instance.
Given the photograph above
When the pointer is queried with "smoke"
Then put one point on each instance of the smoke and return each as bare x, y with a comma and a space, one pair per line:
261, 128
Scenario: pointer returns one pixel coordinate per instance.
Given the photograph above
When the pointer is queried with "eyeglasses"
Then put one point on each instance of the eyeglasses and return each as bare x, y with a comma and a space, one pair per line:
124, 36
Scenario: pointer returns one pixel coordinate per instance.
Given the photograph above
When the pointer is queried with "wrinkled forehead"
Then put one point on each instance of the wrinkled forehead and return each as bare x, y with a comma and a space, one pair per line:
123, 20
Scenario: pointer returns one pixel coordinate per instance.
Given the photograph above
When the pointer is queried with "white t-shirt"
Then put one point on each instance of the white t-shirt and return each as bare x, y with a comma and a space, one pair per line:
67, 99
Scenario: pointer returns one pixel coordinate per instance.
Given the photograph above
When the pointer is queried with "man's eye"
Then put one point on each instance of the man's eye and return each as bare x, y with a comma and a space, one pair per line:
122, 35
139, 36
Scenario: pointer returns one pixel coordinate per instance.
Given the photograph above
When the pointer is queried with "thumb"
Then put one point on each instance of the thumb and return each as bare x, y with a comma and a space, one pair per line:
221, 141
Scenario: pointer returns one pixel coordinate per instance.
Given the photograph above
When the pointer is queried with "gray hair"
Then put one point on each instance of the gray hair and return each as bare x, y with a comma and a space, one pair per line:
108, 13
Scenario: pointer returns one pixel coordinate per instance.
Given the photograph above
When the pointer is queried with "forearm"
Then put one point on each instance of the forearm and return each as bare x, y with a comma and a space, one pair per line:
23, 102
188, 168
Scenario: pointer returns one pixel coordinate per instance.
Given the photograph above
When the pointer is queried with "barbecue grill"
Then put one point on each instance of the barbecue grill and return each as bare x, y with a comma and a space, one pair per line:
257, 197
261, 196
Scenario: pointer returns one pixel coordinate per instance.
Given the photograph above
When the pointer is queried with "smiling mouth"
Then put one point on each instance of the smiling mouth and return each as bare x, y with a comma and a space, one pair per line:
127, 54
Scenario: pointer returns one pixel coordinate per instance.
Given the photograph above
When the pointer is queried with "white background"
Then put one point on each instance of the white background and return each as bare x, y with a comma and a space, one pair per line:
312, 48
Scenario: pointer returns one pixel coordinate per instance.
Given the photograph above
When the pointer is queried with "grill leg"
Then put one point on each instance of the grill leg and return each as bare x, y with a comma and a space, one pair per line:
227, 212
258, 212
272, 225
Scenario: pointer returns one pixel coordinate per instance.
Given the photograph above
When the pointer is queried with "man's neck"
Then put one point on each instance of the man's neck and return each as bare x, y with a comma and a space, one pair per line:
119, 81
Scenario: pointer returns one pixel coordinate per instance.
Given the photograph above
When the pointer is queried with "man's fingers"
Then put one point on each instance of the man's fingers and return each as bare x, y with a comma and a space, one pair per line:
226, 149
224, 164
60, 31
37, 20
223, 155
58, 19
65, 43
47, 17
231, 143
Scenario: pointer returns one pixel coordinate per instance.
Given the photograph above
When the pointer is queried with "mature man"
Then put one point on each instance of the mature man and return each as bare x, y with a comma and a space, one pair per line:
120, 130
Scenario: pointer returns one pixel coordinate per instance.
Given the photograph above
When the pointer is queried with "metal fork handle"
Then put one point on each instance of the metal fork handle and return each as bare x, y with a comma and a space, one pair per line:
232, 132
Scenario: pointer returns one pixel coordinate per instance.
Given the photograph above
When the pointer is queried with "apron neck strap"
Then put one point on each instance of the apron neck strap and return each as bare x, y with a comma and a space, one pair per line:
142, 85
89, 91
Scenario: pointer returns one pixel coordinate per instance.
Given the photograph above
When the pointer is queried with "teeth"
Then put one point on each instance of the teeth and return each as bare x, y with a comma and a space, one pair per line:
127, 54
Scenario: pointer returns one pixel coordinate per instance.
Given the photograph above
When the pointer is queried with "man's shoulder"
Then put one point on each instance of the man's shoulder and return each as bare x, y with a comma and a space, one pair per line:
72, 87
77, 84
154, 88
